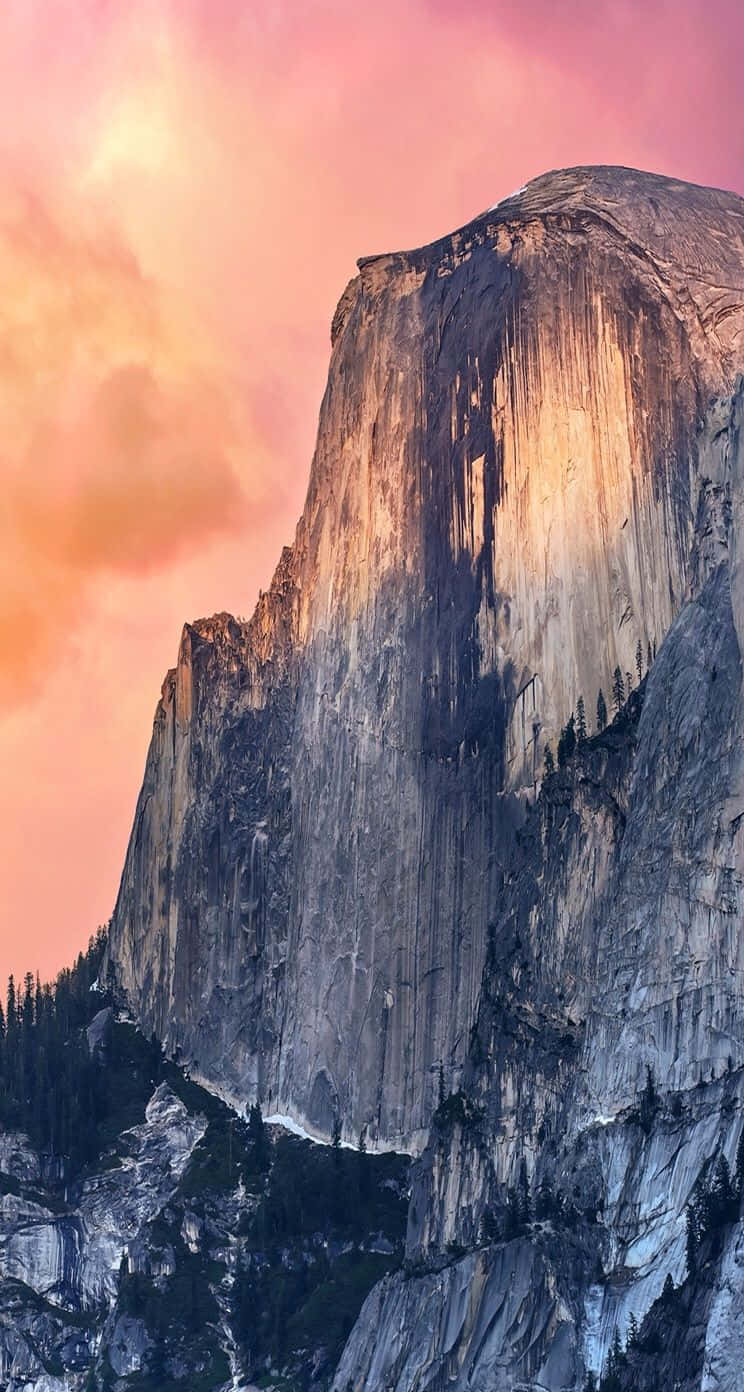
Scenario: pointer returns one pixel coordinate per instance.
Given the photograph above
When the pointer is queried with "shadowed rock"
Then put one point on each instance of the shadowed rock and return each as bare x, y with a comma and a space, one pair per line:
501, 507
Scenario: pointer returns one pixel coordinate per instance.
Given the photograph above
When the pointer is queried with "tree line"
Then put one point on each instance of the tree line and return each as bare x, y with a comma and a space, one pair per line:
575, 732
52, 1087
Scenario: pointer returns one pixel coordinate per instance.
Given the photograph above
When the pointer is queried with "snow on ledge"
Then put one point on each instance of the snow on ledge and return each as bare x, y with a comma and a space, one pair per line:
507, 199
288, 1123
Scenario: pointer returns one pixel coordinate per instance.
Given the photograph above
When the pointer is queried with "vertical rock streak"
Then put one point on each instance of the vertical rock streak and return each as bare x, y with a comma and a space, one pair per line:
501, 506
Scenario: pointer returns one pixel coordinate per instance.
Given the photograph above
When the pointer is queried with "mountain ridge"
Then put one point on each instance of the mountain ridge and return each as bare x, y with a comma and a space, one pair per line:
358, 889
453, 554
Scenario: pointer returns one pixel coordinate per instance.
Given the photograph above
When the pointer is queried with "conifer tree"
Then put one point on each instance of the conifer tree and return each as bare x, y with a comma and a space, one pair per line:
739, 1171
523, 1194
639, 661
618, 690
581, 721
649, 1100
545, 1205
10, 1013
336, 1139
512, 1220
567, 741
489, 1227
722, 1206
363, 1164
601, 711
548, 760
616, 1356
692, 1238
649, 658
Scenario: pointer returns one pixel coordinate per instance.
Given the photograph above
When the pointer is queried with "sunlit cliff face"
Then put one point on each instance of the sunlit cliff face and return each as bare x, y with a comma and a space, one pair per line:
184, 189
500, 513
528, 466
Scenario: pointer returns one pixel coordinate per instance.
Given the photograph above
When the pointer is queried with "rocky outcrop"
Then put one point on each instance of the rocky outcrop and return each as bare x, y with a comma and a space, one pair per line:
496, 1318
502, 506
189, 1249
60, 1259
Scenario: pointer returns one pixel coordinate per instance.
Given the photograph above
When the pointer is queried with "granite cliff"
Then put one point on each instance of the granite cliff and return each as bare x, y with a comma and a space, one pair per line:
605, 1077
501, 507
171, 1245
352, 893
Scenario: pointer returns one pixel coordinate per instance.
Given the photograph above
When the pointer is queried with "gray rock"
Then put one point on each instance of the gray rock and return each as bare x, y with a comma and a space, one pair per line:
495, 1319
128, 1346
342, 886
501, 506
98, 1028
59, 1272
616, 947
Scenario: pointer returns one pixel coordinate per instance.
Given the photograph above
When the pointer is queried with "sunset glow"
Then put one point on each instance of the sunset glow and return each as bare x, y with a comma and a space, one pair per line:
185, 186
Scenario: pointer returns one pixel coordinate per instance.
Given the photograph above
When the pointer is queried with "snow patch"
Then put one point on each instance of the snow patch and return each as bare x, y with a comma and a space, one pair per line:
288, 1123
507, 199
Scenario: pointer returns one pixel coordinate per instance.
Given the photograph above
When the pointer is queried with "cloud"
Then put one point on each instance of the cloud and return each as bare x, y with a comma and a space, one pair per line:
119, 446
141, 475
184, 188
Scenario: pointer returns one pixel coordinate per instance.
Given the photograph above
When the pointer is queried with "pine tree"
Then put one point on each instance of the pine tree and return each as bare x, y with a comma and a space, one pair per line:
581, 721
363, 1165
545, 1205
632, 1335
628, 683
618, 690
10, 1014
336, 1139
615, 1357
739, 1171
692, 1238
722, 1206
567, 741
489, 1227
639, 661
156, 1363
549, 760
258, 1138
649, 1100
601, 711
523, 1194
512, 1220
649, 657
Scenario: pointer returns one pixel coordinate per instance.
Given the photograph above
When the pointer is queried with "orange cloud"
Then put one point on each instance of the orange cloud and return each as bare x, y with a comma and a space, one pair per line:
138, 477
119, 447
184, 188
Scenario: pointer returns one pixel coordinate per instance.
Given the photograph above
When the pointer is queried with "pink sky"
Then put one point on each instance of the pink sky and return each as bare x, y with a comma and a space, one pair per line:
185, 186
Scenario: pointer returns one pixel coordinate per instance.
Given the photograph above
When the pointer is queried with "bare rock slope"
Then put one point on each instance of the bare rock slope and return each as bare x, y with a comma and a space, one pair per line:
501, 508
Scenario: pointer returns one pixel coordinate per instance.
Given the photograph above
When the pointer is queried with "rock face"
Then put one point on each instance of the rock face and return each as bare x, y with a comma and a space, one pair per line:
502, 505
615, 948
60, 1261
162, 1257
